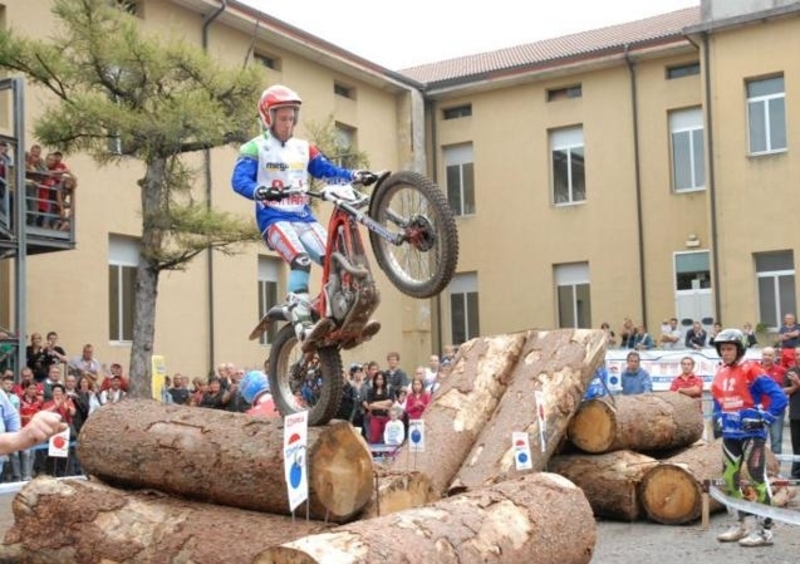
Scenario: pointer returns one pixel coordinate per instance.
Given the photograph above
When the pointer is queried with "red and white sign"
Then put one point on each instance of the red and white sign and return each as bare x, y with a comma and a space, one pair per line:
59, 444
295, 439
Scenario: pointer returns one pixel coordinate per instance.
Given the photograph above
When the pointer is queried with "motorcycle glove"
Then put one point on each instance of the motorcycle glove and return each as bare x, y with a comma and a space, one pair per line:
271, 194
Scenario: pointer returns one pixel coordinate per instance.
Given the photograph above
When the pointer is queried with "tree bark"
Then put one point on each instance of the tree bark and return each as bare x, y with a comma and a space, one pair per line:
224, 458
610, 481
461, 406
558, 364
59, 521
397, 492
540, 518
643, 422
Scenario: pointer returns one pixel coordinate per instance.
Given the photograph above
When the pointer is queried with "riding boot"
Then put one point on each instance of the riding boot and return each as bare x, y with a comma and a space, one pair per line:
300, 312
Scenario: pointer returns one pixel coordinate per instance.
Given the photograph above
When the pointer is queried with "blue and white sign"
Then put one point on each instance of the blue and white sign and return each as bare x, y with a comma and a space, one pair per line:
295, 439
522, 451
416, 435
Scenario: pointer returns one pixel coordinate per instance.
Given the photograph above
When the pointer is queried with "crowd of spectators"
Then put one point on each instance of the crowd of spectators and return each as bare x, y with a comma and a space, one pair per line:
49, 189
670, 336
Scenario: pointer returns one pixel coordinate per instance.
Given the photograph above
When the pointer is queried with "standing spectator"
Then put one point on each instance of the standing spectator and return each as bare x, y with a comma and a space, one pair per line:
114, 393
116, 370
642, 341
687, 382
9, 421
671, 336
394, 432
738, 389
30, 403
715, 330
53, 379
62, 405
213, 397
778, 374
255, 391
198, 391
750, 339
448, 357
377, 404
635, 379
611, 337
792, 389
696, 337
88, 398
361, 388
417, 400
179, 392
55, 352
627, 334
431, 372
26, 377
33, 159
232, 398
86, 365
396, 378
14, 457
789, 337
349, 402
35, 357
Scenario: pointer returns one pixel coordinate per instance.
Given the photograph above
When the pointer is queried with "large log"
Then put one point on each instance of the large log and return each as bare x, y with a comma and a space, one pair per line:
89, 522
461, 406
558, 365
610, 481
397, 492
224, 458
644, 422
672, 491
540, 518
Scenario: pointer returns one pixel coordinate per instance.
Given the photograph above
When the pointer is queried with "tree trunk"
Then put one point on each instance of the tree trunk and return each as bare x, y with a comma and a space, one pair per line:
397, 492
226, 458
59, 521
538, 519
672, 491
643, 422
558, 364
461, 406
146, 285
610, 481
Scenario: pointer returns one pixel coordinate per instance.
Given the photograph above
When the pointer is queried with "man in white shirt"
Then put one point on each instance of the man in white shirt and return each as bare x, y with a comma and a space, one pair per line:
671, 336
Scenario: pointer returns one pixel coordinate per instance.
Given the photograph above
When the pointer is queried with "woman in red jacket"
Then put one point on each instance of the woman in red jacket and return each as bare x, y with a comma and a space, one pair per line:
417, 400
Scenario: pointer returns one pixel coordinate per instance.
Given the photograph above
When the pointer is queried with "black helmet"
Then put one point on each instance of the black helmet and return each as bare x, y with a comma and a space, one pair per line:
732, 336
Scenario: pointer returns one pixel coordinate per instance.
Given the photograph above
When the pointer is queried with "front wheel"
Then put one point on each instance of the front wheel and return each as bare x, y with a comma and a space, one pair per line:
410, 204
302, 381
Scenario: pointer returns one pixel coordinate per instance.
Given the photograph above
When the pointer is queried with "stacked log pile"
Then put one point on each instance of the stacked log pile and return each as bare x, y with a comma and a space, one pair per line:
163, 478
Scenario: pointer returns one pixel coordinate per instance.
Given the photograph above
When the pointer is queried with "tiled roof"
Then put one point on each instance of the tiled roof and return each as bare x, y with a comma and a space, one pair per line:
652, 29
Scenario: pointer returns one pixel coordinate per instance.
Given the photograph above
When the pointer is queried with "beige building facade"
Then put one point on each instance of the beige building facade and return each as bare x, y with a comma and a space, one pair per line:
640, 171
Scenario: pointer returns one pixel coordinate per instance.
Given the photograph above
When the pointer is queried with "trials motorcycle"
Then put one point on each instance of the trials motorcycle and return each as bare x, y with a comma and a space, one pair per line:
413, 235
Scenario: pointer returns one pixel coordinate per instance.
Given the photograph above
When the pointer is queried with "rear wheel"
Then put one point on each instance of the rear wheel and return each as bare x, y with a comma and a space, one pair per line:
410, 204
305, 381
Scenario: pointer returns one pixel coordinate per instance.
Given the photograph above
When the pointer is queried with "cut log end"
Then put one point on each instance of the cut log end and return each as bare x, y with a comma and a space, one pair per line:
671, 495
593, 428
397, 492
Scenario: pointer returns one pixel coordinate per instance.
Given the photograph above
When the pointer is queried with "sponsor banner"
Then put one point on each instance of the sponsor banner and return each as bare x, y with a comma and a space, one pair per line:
295, 438
158, 375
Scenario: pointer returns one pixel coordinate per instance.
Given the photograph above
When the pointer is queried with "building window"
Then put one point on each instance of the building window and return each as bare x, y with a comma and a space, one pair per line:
688, 157
464, 317
776, 286
569, 177
458, 112
766, 115
345, 154
679, 71
267, 61
692, 271
268, 271
574, 296
344, 91
575, 91
460, 179
123, 258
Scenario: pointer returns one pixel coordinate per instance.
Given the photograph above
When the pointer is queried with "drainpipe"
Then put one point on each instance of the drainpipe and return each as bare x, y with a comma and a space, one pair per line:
638, 182
207, 21
712, 192
430, 110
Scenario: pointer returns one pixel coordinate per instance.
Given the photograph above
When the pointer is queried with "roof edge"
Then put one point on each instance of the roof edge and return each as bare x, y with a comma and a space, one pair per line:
743, 20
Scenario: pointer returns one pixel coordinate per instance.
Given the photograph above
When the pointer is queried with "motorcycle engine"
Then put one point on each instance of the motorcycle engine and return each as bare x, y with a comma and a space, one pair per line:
339, 299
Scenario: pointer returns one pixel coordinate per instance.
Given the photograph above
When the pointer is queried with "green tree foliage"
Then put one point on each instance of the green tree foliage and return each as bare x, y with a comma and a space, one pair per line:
157, 98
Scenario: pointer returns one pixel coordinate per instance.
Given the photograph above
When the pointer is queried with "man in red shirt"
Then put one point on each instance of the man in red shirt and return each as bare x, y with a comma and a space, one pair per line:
778, 373
687, 382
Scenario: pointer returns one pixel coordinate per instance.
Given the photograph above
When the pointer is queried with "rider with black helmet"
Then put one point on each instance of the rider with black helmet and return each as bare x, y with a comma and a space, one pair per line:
738, 389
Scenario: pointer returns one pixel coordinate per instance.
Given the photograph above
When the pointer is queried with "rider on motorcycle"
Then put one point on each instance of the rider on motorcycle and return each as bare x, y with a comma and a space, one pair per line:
276, 160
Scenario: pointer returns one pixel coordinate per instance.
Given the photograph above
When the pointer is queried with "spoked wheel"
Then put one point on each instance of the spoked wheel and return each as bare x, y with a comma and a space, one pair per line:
412, 205
305, 381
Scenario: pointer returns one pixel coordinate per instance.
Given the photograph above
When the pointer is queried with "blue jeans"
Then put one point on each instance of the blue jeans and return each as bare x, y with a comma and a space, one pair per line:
776, 433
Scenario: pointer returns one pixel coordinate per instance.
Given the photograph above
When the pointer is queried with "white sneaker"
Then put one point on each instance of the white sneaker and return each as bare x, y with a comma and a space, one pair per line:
735, 533
759, 537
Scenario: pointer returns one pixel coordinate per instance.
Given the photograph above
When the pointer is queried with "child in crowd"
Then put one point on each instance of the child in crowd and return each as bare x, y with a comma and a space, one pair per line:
394, 434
